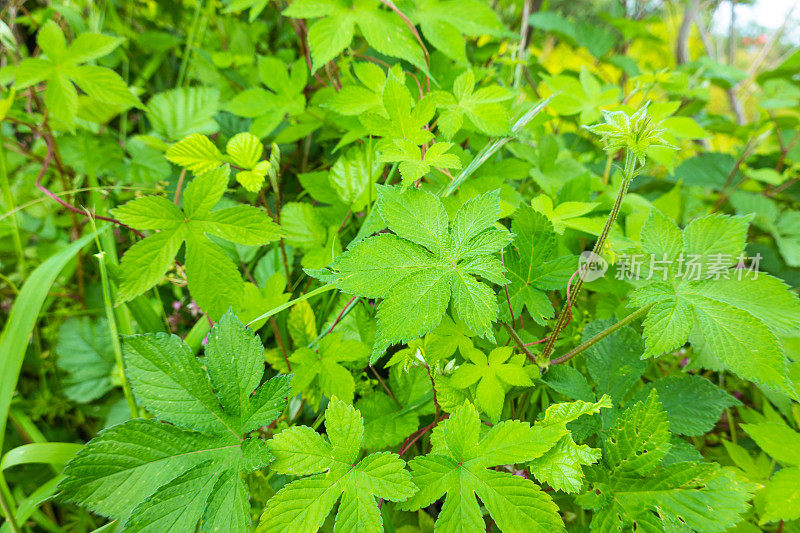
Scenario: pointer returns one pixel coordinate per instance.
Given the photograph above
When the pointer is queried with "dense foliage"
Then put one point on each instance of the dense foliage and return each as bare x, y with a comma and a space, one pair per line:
352, 266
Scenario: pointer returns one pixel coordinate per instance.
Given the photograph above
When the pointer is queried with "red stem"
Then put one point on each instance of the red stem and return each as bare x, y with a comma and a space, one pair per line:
49, 193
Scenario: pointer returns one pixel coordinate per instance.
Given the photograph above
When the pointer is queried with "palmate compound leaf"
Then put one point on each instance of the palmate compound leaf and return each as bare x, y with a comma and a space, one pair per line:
214, 281
491, 374
630, 487
324, 368
562, 465
333, 470
533, 267
737, 314
184, 466
683, 496
327, 37
426, 266
62, 69
458, 468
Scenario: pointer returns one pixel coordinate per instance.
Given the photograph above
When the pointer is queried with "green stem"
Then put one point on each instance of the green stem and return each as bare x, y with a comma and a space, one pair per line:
290, 303
628, 173
198, 332
187, 52
8, 199
112, 326
122, 313
7, 504
602, 335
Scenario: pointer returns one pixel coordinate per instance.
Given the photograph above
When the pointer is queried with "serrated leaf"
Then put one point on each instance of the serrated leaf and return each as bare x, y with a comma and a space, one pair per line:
424, 268
84, 351
214, 281
640, 439
457, 468
735, 315
196, 152
678, 495
303, 504
324, 367
493, 376
778, 440
694, 417
174, 475
533, 268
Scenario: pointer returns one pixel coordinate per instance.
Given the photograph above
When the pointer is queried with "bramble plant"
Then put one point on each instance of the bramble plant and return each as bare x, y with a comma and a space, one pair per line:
424, 265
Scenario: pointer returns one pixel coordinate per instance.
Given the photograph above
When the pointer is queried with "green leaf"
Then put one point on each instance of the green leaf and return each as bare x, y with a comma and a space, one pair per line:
782, 496
173, 474
458, 468
424, 268
482, 108
385, 423
694, 417
195, 152
146, 262
327, 38
324, 367
104, 85
533, 268
303, 504
615, 362
85, 351
214, 281
242, 224
352, 177
778, 440
640, 439
679, 495
61, 70
413, 164
562, 465
245, 150
401, 118
178, 113
89, 46
444, 23
741, 342
150, 212
493, 376
734, 314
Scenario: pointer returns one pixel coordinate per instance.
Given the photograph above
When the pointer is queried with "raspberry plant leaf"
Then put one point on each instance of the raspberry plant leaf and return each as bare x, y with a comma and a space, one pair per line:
327, 37
533, 268
561, 466
214, 281
324, 368
493, 375
483, 107
458, 467
426, 266
738, 315
62, 70
185, 466
333, 471
631, 486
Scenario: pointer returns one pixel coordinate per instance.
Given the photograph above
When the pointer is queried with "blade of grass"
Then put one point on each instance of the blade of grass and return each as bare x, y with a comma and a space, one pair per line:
57, 453
490, 149
22, 320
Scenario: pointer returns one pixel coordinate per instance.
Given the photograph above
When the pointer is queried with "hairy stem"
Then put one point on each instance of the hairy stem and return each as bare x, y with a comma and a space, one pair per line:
518, 341
600, 336
628, 174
